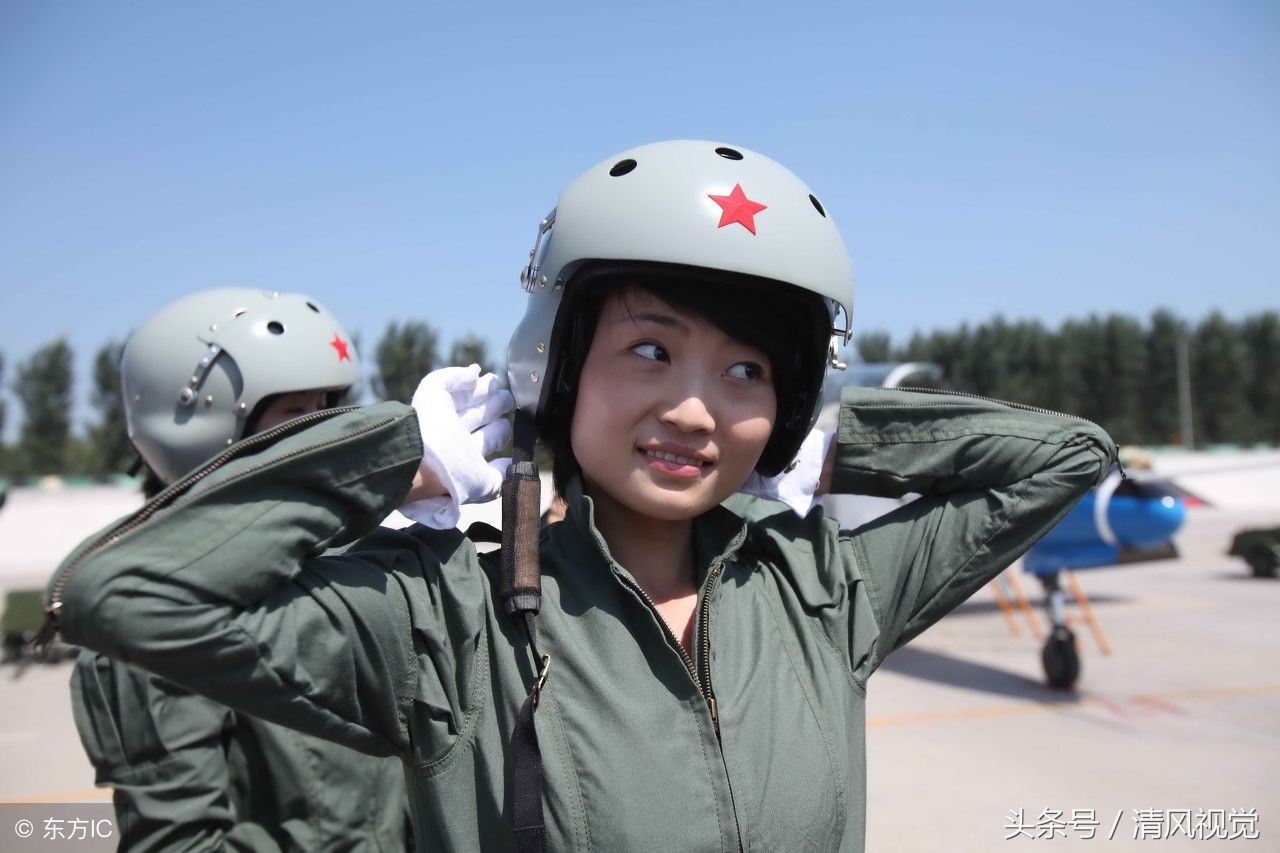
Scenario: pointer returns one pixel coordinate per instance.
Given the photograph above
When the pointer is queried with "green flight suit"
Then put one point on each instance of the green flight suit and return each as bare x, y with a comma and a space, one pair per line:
399, 646
189, 773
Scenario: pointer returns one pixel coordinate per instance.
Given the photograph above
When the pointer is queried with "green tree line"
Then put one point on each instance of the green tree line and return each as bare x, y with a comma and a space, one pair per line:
1118, 371
43, 387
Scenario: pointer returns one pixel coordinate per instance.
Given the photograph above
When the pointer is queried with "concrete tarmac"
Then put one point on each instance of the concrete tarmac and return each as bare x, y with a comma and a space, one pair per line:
966, 745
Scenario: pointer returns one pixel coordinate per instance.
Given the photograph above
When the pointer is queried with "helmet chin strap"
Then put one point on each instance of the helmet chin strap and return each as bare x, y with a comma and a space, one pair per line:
522, 597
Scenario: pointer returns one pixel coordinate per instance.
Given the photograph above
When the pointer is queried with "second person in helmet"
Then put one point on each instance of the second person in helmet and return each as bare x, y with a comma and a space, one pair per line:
189, 773
695, 676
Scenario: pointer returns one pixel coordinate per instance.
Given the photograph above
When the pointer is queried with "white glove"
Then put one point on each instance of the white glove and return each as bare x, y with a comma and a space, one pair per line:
460, 415
795, 486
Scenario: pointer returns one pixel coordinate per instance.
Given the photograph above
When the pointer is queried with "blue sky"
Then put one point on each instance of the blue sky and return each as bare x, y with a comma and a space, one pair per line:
392, 159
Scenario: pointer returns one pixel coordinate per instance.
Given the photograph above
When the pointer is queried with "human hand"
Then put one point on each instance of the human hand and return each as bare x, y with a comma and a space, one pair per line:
460, 415
803, 478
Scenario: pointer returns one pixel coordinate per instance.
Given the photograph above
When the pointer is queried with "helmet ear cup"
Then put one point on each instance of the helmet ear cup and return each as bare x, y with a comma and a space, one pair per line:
789, 430
577, 343
571, 351
795, 419
566, 387
800, 399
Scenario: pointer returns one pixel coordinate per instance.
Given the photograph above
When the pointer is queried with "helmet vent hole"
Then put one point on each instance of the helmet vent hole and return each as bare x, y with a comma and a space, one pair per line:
275, 327
817, 205
239, 312
622, 167
729, 153
313, 307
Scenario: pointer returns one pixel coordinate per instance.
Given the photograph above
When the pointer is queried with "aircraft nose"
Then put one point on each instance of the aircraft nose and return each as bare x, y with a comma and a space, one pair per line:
1170, 512
1158, 520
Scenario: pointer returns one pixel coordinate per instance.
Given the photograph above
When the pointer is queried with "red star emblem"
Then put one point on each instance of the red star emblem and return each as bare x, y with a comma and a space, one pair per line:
341, 346
736, 207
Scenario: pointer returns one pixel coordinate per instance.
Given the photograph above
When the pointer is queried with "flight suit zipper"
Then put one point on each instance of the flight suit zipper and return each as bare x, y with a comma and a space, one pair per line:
704, 643
701, 675
166, 497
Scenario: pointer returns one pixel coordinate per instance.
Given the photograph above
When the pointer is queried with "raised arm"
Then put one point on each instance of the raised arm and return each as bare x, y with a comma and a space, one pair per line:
994, 477
218, 586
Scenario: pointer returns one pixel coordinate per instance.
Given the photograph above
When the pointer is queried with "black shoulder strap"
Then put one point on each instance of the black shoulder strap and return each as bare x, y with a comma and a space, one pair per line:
522, 597
526, 807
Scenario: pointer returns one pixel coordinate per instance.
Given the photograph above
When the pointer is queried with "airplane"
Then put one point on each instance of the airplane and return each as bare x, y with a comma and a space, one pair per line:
1126, 519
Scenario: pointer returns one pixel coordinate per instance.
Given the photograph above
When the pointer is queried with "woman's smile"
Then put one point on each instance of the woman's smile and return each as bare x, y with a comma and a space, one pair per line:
675, 460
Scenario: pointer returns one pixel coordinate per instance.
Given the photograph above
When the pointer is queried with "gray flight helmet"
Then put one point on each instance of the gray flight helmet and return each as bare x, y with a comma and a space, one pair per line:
195, 373
692, 204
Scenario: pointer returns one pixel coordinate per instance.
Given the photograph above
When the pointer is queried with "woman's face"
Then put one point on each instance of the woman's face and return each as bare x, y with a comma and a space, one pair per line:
672, 414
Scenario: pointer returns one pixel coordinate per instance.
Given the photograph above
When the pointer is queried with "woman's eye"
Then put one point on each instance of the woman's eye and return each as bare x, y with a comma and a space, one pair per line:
746, 370
651, 351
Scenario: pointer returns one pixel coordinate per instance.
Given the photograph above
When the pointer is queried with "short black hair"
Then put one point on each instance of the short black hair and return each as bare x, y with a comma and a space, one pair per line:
790, 324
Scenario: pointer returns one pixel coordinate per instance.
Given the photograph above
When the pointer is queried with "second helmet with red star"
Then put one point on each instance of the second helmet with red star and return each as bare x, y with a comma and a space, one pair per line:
195, 374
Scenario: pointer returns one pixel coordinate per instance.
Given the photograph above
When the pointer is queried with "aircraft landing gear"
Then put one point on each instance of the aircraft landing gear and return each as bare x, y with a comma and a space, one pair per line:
1061, 659
1060, 656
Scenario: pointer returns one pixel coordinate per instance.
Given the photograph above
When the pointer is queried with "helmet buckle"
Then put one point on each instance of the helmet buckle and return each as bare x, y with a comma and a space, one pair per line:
840, 334
833, 354
530, 279
543, 668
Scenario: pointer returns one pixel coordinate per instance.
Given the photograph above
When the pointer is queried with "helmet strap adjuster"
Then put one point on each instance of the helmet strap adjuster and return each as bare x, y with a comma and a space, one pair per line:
187, 396
530, 278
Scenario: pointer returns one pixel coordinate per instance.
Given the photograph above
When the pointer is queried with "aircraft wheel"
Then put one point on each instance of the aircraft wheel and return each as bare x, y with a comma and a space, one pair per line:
1263, 562
1060, 658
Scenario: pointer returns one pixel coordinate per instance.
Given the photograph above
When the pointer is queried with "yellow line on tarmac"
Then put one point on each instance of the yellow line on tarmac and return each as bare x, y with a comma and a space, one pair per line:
1213, 692
966, 714
1018, 709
